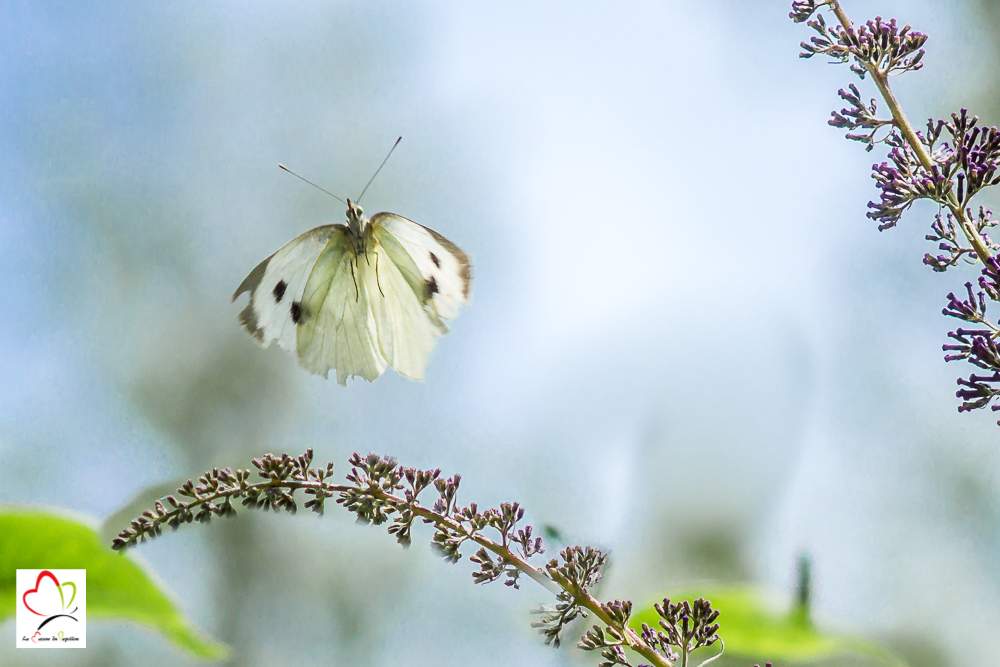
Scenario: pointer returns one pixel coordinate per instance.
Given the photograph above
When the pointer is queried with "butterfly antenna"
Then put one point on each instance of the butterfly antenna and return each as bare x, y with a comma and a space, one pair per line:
306, 180
387, 156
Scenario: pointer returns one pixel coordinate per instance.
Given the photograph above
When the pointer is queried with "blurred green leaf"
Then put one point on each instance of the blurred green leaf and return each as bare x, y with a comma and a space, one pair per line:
552, 533
753, 626
117, 586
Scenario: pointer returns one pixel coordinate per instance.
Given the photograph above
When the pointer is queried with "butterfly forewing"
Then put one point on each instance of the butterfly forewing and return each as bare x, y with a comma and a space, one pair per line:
276, 286
443, 269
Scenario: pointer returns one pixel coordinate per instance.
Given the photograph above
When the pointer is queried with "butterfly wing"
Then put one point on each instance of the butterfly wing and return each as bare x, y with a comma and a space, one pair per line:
406, 331
277, 284
337, 329
436, 269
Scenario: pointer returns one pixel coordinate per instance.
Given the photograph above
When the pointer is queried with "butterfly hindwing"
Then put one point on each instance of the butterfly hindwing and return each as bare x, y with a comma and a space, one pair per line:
337, 328
405, 330
277, 284
436, 269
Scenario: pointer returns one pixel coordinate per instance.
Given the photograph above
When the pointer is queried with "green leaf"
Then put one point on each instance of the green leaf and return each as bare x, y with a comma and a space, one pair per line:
753, 626
117, 586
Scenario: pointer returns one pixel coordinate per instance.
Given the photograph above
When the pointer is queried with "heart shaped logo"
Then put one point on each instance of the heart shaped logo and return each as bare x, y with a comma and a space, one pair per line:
49, 597
51, 608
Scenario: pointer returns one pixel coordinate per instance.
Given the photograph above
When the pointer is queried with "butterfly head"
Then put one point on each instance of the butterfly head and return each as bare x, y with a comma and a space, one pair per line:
355, 217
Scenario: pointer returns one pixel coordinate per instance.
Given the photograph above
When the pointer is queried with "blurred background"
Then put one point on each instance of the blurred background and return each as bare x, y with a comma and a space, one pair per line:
686, 344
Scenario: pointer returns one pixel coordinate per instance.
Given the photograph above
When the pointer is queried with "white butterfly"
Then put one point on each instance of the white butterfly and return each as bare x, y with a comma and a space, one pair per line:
358, 298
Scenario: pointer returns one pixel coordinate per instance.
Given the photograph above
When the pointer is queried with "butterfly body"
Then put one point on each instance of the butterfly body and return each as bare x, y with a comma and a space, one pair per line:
358, 227
359, 297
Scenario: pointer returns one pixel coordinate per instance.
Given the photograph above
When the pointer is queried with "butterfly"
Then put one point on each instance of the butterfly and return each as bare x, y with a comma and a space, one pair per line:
360, 297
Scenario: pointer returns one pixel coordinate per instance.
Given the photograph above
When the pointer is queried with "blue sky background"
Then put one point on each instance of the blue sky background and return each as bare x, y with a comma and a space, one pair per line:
686, 343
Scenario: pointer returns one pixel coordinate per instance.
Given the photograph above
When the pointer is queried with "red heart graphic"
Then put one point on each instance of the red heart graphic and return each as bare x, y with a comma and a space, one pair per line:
38, 582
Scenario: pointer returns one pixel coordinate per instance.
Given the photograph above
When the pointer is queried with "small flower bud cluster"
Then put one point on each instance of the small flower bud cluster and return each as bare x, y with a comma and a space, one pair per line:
973, 156
878, 45
684, 625
858, 116
902, 181
214, 492
578, 569
802, 10
609, 641
976, 344
945, 232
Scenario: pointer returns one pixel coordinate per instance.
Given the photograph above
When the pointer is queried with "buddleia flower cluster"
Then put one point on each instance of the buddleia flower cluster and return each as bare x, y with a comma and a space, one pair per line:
501, 546
948, 162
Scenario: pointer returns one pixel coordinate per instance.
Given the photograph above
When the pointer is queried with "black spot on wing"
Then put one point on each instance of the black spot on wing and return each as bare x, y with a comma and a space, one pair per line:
437, 262
464, 268
431, 286
279, 291
296, 311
